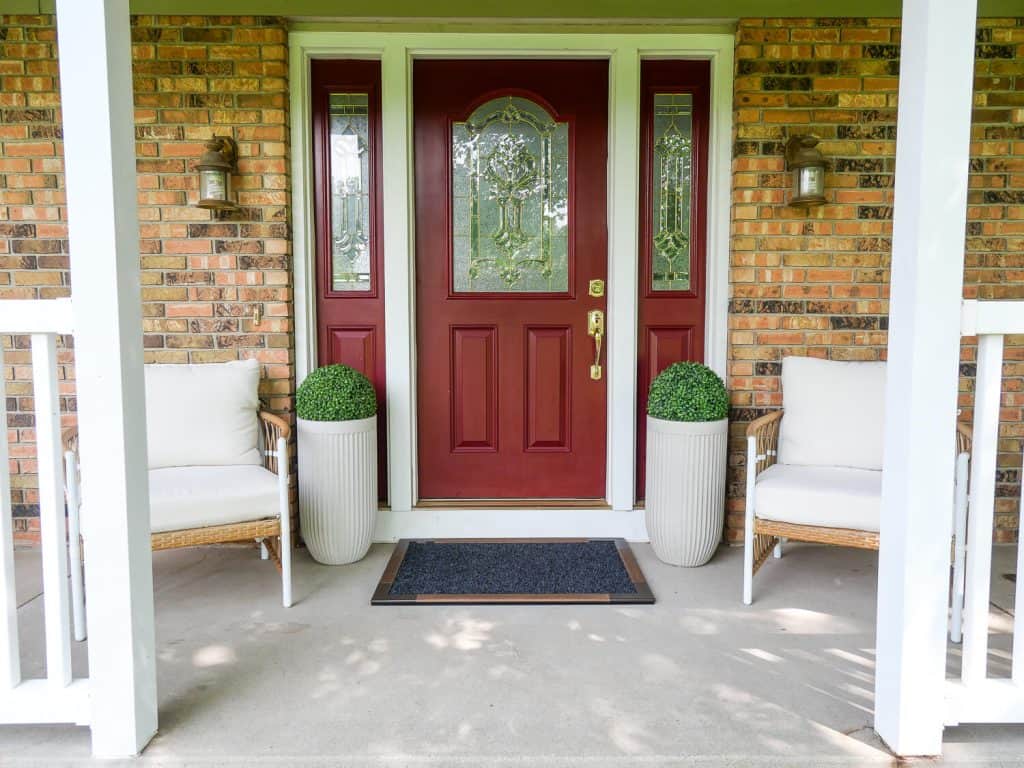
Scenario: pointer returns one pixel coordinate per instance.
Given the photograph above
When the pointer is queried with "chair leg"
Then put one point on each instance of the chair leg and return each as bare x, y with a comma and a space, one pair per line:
286, 522
777, 551
75, 544
286, 567
748, 568
264, 552
748, 527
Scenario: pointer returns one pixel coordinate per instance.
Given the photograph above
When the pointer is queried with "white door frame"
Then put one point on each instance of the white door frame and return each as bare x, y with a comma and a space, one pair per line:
624, 52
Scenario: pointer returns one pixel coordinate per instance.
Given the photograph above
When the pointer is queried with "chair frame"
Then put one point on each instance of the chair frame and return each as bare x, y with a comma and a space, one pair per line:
274, 535
763, 537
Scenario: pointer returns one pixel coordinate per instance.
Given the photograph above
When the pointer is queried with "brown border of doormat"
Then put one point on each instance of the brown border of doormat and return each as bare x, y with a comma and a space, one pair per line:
643, 594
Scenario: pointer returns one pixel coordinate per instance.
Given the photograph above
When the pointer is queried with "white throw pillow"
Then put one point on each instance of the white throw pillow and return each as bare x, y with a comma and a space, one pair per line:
202, 415
835, 413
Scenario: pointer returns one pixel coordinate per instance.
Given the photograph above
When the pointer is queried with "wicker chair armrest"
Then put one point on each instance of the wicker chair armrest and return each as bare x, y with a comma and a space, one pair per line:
765, 425
964, 436
69, 439
763, 437
274, 428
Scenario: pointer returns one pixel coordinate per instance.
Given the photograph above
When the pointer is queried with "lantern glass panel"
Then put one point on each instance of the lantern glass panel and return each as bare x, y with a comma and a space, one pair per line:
809, 181
214, 184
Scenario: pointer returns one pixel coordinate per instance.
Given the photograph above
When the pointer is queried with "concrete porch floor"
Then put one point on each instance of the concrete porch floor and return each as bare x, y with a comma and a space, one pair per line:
697, 679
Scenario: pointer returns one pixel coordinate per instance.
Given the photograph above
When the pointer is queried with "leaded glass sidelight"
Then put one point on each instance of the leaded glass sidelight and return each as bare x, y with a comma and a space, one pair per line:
350, 192
670, 211
510, 199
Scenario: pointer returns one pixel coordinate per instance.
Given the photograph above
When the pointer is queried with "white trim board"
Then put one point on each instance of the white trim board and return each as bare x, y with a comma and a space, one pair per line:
426, 523
396, 50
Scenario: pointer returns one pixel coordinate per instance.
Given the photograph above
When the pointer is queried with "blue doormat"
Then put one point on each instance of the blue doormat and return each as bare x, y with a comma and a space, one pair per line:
519, 571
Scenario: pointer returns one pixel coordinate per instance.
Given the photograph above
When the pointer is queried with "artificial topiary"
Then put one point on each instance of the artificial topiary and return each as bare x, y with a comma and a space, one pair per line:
688, 392
335, 393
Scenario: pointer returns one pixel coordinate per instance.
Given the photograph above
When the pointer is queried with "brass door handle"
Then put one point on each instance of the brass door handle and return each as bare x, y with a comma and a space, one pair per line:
595, 328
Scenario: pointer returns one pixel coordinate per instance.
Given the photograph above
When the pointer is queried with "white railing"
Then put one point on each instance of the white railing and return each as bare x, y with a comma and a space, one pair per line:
57, 698
976, 697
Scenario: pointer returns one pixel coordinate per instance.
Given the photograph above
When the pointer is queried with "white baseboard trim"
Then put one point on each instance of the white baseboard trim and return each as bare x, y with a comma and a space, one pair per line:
509, 523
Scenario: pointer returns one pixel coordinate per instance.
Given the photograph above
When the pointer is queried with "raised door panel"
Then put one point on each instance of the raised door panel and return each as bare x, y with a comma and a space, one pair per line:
356, 348
474, 388
667, 345
548, 389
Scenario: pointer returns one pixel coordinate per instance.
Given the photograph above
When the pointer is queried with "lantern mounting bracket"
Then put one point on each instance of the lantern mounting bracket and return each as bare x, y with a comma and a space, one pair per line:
228, 149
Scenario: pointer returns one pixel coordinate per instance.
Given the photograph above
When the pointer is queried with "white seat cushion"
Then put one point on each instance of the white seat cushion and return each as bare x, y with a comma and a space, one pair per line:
196, 497
832, 497
834, 413
203, 415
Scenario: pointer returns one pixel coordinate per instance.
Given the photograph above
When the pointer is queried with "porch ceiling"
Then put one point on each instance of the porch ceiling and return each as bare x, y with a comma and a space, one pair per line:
526, 9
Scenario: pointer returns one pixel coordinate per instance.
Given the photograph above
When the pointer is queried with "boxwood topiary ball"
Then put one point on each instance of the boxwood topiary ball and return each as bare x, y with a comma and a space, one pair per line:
688, 392
335, 393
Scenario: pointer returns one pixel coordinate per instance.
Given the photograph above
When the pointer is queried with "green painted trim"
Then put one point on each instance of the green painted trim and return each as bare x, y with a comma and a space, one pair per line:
398, 26
524, 9
27, 7
546, 9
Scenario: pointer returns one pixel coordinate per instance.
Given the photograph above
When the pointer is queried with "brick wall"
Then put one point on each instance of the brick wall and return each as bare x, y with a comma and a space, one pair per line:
816, 282
202, 277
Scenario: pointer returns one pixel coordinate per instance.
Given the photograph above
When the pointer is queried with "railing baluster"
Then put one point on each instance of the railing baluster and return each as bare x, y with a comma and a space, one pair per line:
956, 623
1017, 668
988, 388
53, 530
75, 541
10, 664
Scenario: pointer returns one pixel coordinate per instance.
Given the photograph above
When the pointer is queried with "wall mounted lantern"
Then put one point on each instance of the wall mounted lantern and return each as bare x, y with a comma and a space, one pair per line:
215, 167
808, 168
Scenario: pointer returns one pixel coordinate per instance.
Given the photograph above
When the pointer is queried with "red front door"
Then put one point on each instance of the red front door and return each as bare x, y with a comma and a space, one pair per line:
510, 231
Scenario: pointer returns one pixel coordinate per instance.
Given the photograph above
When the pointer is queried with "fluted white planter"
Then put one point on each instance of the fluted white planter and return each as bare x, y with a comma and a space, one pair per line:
337, 488
685, 499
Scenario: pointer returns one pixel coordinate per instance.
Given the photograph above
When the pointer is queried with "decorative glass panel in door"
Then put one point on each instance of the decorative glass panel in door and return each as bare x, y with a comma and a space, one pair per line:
510, 200
672, 169
350, 192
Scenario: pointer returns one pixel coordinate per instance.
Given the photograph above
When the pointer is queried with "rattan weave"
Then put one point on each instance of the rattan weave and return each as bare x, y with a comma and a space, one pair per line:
217, 534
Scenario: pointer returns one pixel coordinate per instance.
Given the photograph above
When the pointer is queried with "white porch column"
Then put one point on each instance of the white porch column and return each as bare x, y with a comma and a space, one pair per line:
932, 153
99, 152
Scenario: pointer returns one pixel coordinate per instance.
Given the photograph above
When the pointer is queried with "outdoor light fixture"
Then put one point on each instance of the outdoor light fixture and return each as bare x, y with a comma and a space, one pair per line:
215, 167
808, 169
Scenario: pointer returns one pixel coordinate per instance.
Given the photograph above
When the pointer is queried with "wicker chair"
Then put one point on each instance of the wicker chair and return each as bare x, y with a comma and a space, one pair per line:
219, 470
792, 512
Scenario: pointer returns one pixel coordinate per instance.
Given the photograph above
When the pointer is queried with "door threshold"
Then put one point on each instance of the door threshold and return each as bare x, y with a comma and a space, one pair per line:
512, 504
459, 519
